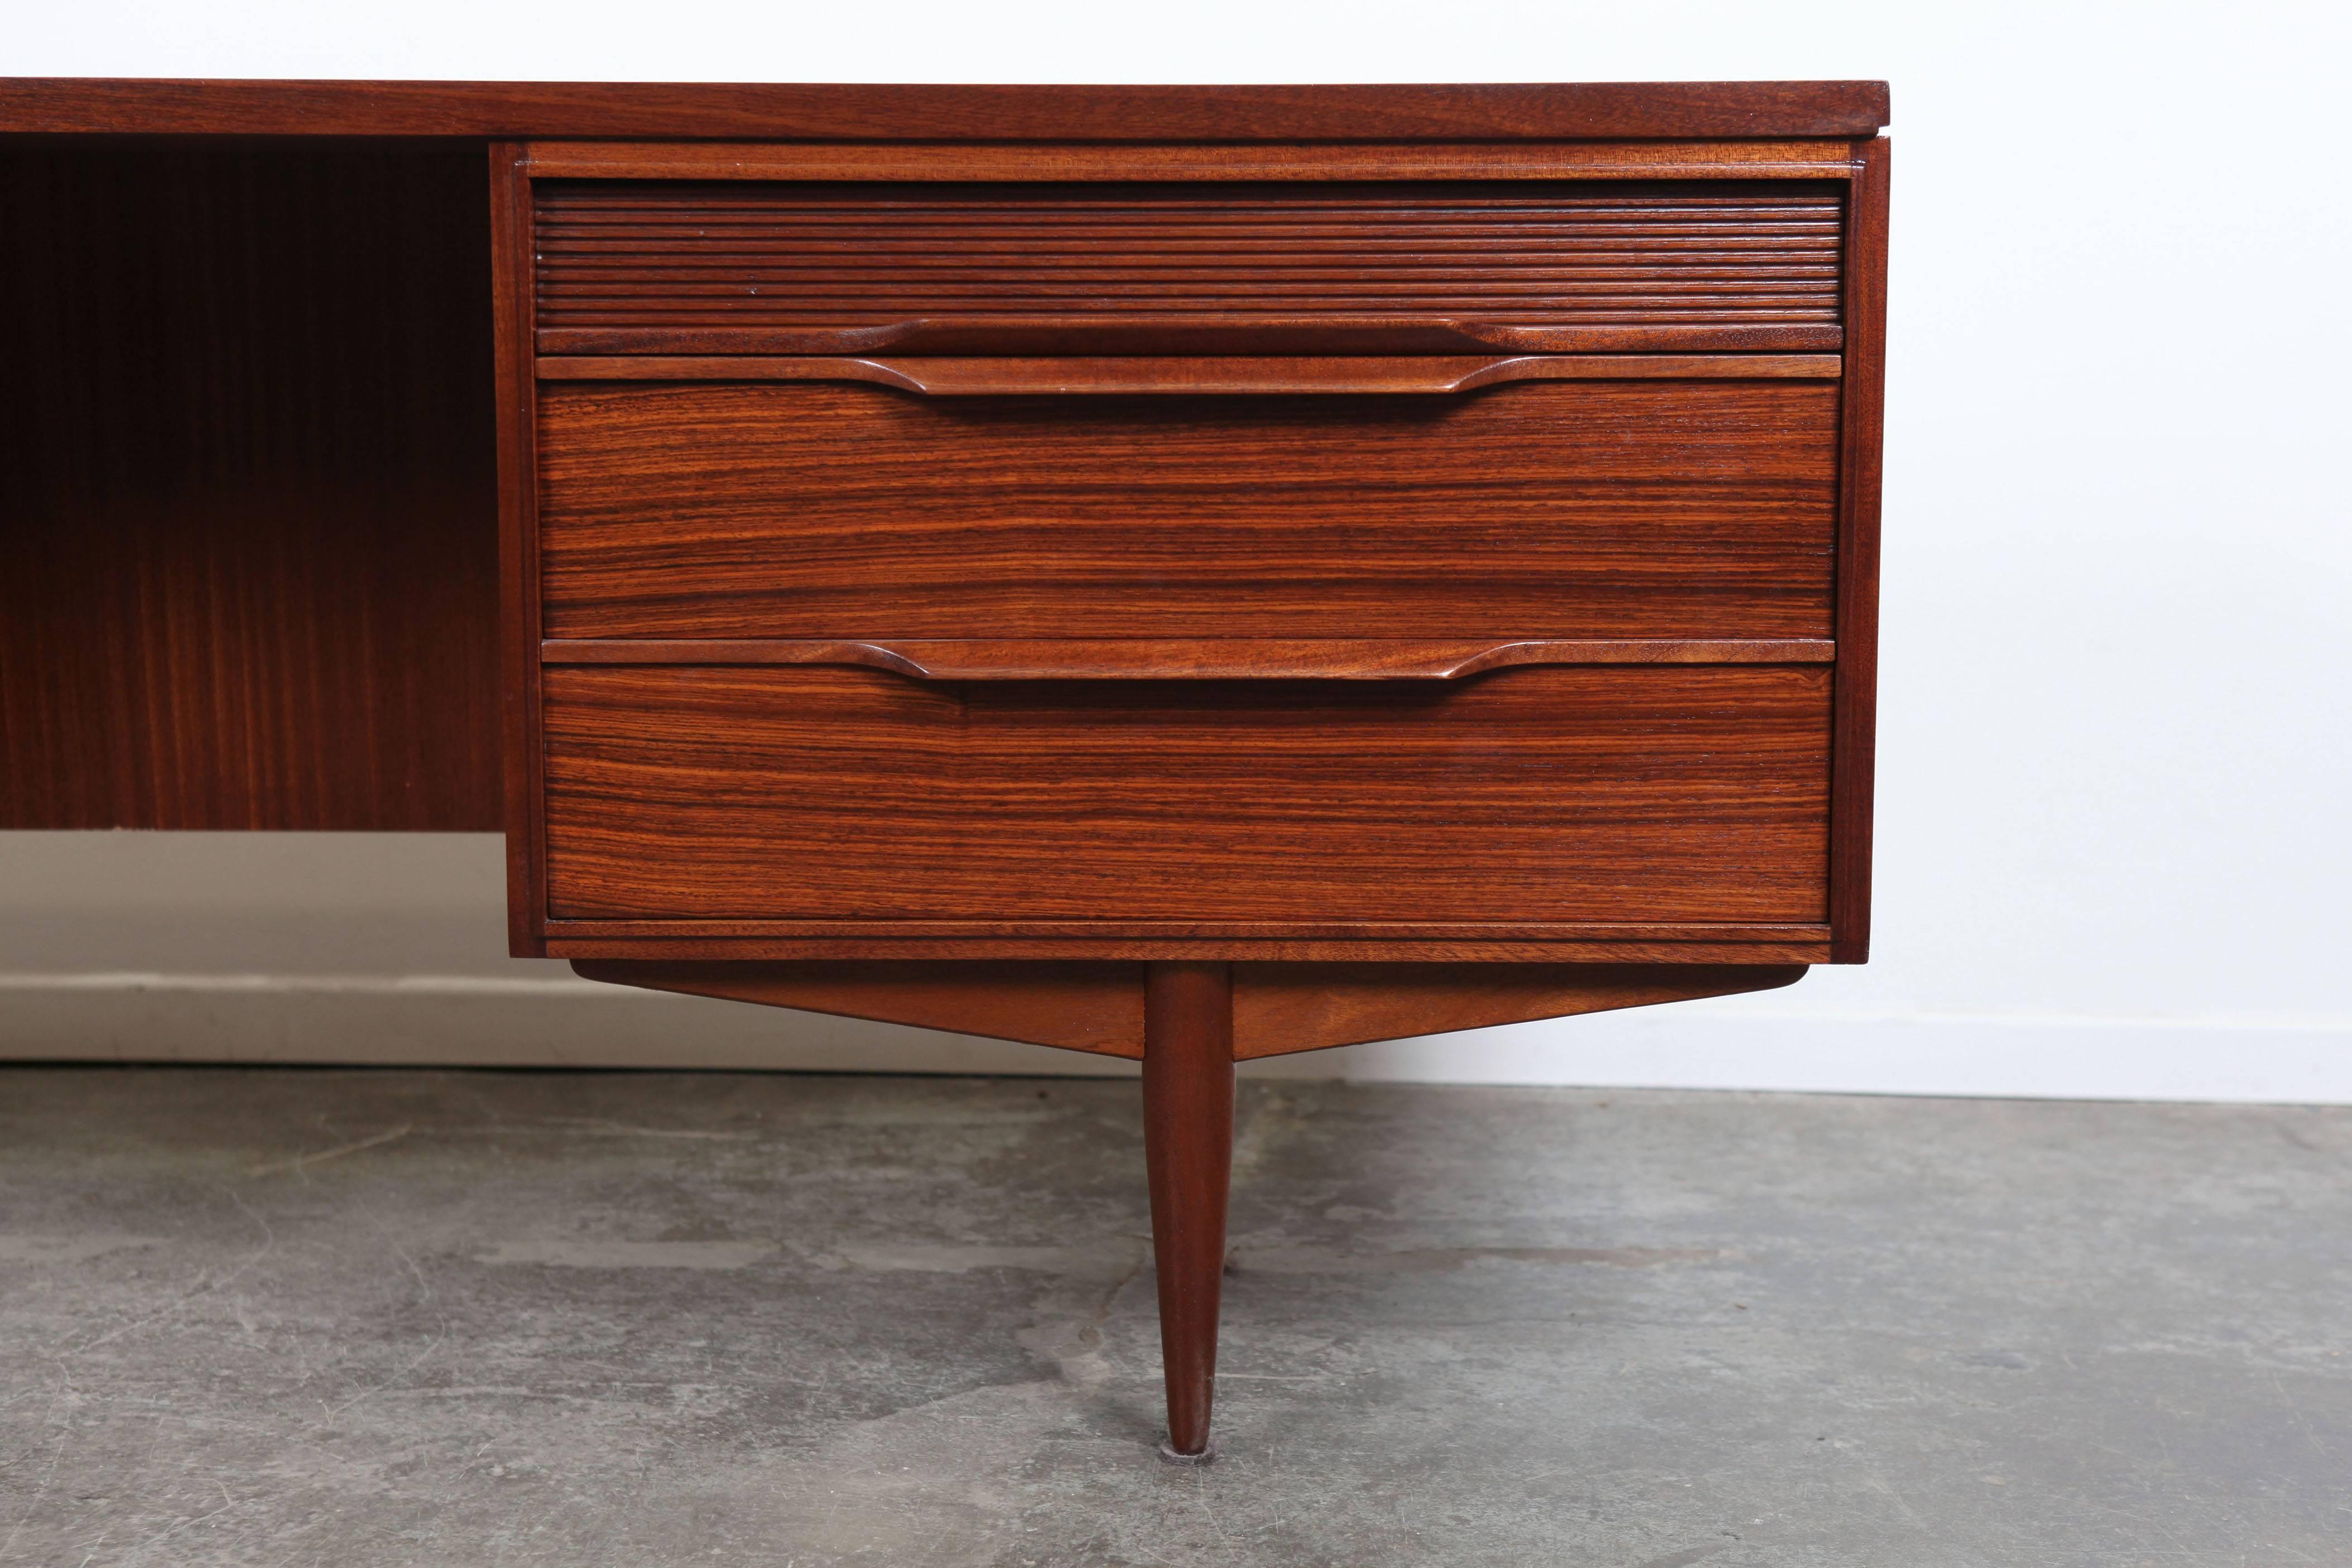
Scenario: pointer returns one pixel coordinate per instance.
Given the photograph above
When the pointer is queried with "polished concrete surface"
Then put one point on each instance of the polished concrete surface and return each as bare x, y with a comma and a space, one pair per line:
291, 1317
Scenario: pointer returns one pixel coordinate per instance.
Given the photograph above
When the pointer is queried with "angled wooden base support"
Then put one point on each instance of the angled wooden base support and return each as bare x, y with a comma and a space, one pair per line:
1189, 1021
1278, 1008
1188, 1146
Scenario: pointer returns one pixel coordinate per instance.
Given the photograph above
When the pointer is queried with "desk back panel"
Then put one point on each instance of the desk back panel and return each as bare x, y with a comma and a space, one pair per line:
249, 496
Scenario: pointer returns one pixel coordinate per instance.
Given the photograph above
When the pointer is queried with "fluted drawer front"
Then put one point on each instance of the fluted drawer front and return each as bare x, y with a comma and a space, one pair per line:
1535, 795
644, 266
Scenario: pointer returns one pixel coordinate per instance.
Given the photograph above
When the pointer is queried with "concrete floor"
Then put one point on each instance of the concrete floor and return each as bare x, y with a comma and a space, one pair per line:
287, 1317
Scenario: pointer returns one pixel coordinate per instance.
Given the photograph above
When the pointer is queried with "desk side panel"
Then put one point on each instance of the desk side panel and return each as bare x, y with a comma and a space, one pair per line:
519, 613
1862, 419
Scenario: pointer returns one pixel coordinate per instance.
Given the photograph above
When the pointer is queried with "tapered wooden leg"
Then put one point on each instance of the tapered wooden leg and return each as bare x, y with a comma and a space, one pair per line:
1187, 1144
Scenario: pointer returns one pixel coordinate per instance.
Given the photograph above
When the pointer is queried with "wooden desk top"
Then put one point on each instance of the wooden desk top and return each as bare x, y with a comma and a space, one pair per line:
1495, 111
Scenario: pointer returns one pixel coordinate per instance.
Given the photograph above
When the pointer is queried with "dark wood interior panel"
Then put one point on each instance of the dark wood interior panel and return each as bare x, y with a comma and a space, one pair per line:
675, 267
1643, 793
840, 510
250, 526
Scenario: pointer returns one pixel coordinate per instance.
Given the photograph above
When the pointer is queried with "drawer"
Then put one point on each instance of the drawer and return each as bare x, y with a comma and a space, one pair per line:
1447, 557
1677, 793
1554, 509
1554, 267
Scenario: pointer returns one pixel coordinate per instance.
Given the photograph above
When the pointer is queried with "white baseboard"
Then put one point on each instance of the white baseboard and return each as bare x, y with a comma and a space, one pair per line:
529, 1022
466, 1021
1713, 1045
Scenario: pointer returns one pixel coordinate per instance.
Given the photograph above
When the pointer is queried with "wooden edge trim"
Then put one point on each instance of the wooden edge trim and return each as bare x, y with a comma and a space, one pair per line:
563, 943
1697, 933
944, 112
516, 390
1796, 158
1194, 377
1078, 659
1854, 691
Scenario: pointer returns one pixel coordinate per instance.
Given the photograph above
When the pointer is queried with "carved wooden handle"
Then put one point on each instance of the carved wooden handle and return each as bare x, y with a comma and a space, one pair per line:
1083, 658
1191, 334
1192, 375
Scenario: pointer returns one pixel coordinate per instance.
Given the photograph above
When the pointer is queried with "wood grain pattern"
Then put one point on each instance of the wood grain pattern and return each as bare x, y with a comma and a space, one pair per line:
1861, 417
1810, 158
1210, 658
250, 571
1632, 794
674, 267
1188, 1149
1192, 375
111, 105
1281, 1008
1571, 509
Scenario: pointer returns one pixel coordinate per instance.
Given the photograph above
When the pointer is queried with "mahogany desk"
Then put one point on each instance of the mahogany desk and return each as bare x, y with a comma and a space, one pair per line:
1189, 574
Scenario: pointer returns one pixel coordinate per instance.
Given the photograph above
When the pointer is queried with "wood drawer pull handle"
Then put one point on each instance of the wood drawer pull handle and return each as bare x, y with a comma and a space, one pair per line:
1191, 334
1147, 659
1241, 375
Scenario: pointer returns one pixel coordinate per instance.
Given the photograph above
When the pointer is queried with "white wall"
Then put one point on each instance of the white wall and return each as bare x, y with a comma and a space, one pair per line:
2114, 850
